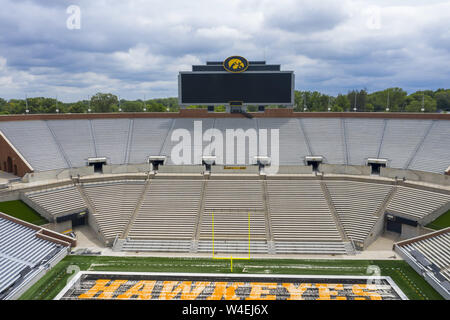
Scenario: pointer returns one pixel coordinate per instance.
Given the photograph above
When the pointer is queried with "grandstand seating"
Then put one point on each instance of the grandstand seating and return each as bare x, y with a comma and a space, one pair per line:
75, 139
147, 138
326, 138
311, 247
231, 202
233, 246
400, 140
298, 211
356, 204
35, 142
149, 245
363, 139
292, 144
429, 255
416, 203
111, 138
57, 144
436, 249
186, 124
58, 200
21, 253
114, 203
434, 154
223, 124
168, 211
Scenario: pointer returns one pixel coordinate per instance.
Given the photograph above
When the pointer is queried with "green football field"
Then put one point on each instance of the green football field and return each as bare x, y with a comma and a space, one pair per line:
21, 211
440, 223
411, 283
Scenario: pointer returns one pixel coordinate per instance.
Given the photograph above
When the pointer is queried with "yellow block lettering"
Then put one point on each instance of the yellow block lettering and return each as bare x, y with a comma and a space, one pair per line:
358, 289
261, 288
142, 289
107, 292
325, 293
227, 293
170, 290
296, 292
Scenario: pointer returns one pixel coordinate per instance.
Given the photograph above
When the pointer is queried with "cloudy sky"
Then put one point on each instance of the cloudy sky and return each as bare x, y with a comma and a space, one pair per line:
134, 48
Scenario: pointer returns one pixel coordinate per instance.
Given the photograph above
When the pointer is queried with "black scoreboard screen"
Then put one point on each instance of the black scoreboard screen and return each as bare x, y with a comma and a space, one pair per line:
220, 88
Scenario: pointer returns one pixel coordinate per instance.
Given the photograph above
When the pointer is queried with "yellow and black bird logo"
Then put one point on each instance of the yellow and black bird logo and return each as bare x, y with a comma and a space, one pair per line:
235, 64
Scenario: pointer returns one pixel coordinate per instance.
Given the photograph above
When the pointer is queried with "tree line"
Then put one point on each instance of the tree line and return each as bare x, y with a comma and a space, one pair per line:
391, 100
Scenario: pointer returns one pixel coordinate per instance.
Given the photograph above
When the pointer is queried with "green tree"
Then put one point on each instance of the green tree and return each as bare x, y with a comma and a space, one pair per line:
132, 106
341, 103
415, 103
77, 107
104, 102
442, 97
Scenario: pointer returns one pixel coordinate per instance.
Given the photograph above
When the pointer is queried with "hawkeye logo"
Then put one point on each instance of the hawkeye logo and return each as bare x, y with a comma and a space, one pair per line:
235, 64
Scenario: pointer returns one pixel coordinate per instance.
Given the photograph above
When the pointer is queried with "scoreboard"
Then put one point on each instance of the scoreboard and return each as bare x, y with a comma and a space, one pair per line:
249, 83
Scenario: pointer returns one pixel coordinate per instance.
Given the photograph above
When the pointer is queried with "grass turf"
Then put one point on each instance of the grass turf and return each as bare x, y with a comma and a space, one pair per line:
20, 210
411, 283
440, 223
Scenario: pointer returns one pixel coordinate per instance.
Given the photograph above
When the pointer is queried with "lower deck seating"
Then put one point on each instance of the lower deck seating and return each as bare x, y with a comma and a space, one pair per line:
232, 246
58, 200
157, 245
168, 211
300, 247
356, 204
416, 203
299, 212
114, 203
237, 205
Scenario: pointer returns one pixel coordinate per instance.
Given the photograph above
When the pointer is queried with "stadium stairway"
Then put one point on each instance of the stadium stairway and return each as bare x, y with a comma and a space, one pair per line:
136, 209
334, 214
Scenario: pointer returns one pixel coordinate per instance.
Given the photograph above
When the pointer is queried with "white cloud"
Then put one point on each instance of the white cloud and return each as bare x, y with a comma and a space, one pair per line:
137, 47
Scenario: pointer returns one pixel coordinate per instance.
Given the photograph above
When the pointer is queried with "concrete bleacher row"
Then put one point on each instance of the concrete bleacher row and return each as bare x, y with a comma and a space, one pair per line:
282, 211
22, 255
113, 204
407, 144
430, 255
298, 211
356, 204
416, 203
58, 200
168, 211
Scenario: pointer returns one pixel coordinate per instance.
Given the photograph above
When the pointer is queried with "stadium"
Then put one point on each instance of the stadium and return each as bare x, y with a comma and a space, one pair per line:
273, 204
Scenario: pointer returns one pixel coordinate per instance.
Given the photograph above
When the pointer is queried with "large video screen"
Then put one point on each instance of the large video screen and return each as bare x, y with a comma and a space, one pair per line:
251, 88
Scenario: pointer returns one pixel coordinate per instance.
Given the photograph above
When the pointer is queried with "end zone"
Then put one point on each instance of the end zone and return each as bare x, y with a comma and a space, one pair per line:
92, 285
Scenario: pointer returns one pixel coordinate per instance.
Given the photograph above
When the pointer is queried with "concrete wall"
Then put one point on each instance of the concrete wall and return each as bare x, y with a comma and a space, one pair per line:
344, 169
181, 169
292, 169
376, 231
416, 176
235, 169
58, 174
126, 168
436, 214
